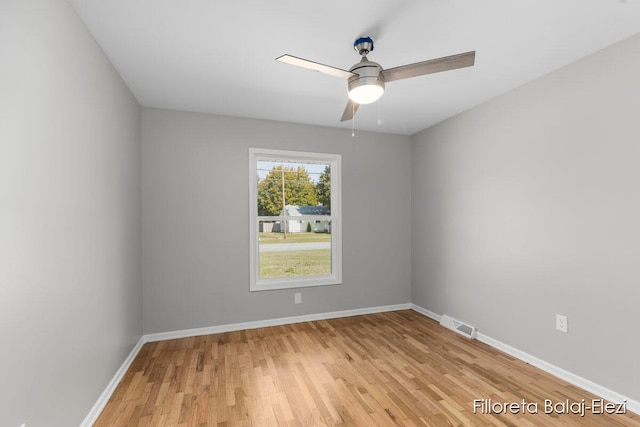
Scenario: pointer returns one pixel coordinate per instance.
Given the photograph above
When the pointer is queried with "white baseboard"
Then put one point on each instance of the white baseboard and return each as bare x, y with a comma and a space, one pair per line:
98, 407
272, 322
571, 378
430, 314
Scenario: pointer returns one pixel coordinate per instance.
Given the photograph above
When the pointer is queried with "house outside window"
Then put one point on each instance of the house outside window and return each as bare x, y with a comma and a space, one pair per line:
295, 219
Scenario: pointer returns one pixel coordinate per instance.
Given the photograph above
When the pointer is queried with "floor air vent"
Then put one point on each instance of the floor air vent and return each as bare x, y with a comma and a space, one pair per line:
459, 327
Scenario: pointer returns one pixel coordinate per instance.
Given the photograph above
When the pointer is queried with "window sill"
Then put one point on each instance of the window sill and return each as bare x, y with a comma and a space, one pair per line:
294, 282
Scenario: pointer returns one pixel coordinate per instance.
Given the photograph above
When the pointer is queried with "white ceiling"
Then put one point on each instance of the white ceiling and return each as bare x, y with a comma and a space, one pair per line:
217, 56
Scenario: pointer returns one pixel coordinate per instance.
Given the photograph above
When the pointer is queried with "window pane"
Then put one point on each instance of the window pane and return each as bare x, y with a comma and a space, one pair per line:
294, 246
296, 253
297, 184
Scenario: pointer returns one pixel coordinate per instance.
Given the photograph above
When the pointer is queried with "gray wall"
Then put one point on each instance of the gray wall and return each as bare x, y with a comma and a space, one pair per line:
70, 233
528, 206
195, 229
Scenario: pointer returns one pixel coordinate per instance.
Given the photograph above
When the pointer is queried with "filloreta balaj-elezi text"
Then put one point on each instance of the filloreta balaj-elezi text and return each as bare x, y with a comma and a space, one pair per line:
581, 407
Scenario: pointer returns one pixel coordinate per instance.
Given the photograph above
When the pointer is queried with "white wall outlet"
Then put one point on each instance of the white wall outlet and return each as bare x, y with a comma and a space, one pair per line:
561, 323
297, 297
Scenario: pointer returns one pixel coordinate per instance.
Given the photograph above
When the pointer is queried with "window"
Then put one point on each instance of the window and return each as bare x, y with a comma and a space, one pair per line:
295, 223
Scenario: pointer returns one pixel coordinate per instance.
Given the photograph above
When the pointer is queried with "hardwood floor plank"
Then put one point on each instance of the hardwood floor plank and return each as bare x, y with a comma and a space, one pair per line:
388, 369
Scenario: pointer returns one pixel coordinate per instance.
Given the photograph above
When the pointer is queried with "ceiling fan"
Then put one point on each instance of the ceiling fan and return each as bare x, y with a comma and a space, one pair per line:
366, 79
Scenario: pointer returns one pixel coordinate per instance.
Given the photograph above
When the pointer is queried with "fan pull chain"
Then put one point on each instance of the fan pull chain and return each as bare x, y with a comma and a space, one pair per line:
353, 120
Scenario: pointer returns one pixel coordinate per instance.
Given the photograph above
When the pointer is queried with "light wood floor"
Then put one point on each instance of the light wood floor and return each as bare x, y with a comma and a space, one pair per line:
387, 369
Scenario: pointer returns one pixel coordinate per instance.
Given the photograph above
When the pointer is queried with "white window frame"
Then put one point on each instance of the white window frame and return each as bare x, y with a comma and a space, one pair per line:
335, 277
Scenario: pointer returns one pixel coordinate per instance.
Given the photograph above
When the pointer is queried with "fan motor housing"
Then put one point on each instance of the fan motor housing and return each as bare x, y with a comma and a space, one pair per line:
368, 74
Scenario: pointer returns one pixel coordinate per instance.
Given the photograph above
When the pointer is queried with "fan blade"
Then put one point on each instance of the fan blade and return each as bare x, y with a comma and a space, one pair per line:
315, 66
349, 111
437, 65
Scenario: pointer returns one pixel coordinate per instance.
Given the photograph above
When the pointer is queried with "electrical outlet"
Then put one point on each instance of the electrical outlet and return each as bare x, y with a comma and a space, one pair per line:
561, 323
297, 297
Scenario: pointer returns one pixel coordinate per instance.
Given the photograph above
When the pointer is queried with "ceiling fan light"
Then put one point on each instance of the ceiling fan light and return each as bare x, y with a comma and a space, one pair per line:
366, 85
366, 94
